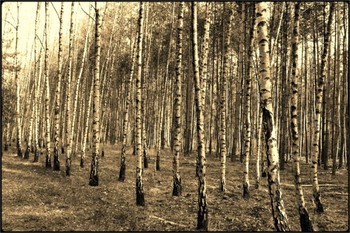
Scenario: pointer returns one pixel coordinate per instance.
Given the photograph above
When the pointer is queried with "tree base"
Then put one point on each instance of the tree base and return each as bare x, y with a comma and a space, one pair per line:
158, 162
202, 219
222, 186
68, 164
19, 152
140, 196
122, 171
48, 161
319, 206
257, 185
305, 222
177, 187
56, 161
26, 153
246, 194
93, 181
36, 156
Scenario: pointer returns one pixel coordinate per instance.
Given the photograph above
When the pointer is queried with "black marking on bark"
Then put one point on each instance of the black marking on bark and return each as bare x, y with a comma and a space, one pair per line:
145, 159
62, 149
6, 147
267, 124
102, 153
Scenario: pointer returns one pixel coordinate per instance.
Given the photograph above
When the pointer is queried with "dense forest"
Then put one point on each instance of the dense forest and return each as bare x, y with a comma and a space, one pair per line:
175, 116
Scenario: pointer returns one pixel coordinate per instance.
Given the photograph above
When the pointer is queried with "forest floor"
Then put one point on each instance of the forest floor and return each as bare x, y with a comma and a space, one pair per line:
37, 199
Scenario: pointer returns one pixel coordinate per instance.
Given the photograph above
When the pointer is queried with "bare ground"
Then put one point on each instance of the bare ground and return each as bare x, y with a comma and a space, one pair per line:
37, 199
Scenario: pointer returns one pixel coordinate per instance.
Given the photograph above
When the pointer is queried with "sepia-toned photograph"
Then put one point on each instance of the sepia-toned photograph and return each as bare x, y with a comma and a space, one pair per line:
175, 116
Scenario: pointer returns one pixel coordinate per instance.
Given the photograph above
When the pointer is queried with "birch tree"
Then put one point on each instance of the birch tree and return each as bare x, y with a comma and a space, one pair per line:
47, 96
317, 119
278, 211
56, 161
140, 199
202, 217
18, 114
305, 222
68, 97
177, 187
93, 181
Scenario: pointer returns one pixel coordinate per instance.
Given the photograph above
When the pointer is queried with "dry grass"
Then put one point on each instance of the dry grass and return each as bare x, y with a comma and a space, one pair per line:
36, 199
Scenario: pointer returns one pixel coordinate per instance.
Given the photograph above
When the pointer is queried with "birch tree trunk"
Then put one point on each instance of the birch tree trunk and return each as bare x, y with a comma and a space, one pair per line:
77, 88
47, 96
317, 120
278, 211
202, 217
140, 199
93, 181
56, 161
305, 222
225, 74
177, 187
247, 136
68, 97
83, 152
126, 116
37, 150
18, 114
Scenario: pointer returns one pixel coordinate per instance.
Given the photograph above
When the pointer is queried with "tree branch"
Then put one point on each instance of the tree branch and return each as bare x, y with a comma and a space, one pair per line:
86, 12
55, 10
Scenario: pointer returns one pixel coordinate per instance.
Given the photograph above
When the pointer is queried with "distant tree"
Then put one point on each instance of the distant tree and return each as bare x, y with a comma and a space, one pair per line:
56, 161
18, 114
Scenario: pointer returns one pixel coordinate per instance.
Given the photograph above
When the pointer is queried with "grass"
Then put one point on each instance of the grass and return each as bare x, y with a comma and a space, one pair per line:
37, 199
